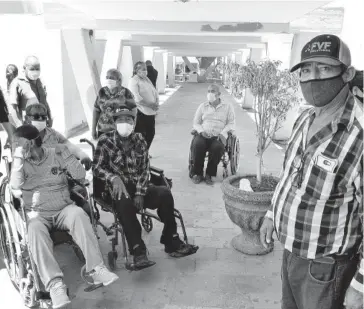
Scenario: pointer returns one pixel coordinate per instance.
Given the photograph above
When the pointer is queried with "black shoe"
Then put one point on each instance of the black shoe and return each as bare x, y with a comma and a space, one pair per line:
208, 180
196, 179
140, 259
177, 248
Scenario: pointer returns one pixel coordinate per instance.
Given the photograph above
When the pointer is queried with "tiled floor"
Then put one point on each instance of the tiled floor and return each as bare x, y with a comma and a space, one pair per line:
217, 277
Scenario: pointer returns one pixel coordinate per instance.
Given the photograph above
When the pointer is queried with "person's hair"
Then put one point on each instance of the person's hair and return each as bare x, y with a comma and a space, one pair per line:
30, 59
357, 81
116, 73
29, 132
30, 107
137, 65
11, 72
148, 62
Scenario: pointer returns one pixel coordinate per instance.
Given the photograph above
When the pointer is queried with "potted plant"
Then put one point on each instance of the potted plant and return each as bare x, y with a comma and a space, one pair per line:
274, 92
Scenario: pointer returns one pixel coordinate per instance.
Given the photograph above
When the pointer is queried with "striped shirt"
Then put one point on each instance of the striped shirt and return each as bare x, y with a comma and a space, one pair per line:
214, 120
44, 190
128, 160
317, 206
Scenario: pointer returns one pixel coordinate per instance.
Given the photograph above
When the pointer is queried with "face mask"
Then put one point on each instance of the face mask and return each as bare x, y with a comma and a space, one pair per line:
33, 75
320, 92
110, 83
40, 125
211, 97
143, 73
124, 129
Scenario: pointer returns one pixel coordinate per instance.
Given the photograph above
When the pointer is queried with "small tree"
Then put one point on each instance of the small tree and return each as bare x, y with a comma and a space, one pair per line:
275, 92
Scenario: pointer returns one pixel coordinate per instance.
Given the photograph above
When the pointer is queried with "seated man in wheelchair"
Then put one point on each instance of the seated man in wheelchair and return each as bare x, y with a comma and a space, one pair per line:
122, 160
36, 115
36, 177
212, 122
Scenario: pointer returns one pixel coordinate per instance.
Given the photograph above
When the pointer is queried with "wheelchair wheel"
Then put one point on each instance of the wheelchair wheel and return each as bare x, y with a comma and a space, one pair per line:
234, 155
147, 223
190, 164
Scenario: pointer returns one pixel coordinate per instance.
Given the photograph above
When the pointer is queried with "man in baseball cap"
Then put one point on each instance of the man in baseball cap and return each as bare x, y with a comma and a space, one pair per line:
317, 207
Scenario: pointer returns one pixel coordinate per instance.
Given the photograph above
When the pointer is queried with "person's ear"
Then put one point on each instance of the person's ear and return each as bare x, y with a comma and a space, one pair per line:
349, 74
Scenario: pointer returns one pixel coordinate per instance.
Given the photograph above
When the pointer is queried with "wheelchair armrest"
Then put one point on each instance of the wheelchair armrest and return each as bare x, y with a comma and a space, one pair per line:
156, 170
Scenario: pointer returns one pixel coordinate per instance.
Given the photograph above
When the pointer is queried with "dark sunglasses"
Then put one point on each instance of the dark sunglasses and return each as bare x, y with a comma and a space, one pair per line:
38, 117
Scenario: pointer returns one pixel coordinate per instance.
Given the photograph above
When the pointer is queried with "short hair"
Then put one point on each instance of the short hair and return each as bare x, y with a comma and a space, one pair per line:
32, 106
28, 132
136, 67
148, 62
116, 73
215, 86
30, 59
12, 69
357, 81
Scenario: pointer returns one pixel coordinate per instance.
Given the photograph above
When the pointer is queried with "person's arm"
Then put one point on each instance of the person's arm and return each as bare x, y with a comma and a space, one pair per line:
143, 179
14, 100
17, 177
49, 114
129, 98
230, 124
96, 116
197, 121
134, 88
70, 162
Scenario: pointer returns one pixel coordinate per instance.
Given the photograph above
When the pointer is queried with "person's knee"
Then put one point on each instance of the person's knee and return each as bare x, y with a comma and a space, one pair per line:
166, 197
36, 229
198, 142
125, 207
78, 214
217, 148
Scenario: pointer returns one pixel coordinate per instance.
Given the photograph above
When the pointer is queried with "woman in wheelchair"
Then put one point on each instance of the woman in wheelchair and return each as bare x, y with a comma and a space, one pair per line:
122, 161
35, 177
36, 115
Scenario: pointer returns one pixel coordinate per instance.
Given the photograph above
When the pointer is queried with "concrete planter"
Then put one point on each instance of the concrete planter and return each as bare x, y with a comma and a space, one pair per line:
246, 210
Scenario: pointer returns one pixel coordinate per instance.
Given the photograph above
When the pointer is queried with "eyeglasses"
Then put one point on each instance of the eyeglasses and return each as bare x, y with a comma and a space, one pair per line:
38, 117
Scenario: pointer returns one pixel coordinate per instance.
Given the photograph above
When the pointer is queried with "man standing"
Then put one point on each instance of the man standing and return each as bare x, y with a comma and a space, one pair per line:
213, 120
317, 207
27, 89
152, 73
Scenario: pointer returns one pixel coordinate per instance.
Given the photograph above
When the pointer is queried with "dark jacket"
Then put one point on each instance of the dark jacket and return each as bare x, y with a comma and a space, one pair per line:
152, 75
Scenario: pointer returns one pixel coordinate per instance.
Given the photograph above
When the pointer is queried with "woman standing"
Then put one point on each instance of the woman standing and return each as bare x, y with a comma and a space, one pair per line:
147, 100
110, 99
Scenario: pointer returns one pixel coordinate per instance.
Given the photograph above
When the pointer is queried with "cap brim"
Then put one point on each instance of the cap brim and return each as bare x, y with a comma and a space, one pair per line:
325, 60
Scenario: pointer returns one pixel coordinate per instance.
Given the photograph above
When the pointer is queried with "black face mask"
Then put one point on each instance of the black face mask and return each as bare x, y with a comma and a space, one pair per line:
320, 92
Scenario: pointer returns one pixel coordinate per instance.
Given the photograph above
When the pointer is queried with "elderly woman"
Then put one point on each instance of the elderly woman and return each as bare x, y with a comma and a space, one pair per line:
147, 100
109, 100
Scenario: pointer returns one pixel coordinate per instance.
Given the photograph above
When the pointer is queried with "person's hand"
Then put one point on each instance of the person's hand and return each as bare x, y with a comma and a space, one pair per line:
353, 299
94, 135
155, 106
139, 202
205, 135
222, 139
8, 142
266, 232
86, 162
118, 189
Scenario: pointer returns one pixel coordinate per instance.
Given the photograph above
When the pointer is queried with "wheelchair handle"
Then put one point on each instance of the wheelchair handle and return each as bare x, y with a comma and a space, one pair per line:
85, 140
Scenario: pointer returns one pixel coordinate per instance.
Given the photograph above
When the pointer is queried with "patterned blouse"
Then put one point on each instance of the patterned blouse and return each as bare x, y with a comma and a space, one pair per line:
107, 104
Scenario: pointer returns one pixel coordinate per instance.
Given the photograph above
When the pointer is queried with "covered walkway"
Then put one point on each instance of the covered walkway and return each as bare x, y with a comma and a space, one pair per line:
217, 277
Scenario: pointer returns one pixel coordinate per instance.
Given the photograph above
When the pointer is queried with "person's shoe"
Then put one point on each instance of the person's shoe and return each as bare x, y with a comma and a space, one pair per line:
58, 292
196, 179
208, 180
177, 248
140, 259
102, 275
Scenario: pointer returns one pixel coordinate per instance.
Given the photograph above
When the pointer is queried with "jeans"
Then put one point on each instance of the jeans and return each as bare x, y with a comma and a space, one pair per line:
145, 124
200, 145
157, 197
311, 284
71, 218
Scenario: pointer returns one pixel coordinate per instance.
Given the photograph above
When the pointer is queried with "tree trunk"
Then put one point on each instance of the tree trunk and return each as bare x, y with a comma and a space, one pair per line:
259, 167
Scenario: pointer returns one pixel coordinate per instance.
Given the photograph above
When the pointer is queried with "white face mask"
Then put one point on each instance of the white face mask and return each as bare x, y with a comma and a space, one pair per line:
124, 129
33, 75
211, 97
40, 125
111, 84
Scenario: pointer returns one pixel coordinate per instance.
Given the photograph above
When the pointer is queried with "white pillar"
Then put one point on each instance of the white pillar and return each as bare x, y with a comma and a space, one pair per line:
299, 40
351, 32
158, 63
137, 53
171, 70
126, 65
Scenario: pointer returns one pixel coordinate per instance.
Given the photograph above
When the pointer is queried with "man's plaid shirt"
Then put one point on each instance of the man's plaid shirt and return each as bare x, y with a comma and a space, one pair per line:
129, 161
318, 212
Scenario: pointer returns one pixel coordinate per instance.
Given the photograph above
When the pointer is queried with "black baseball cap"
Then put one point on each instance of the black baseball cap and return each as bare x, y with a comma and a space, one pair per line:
327, 49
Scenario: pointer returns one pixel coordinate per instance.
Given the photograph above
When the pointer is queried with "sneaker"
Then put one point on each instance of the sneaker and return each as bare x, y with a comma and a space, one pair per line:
208, 180
102, 275
58, 292
196, 179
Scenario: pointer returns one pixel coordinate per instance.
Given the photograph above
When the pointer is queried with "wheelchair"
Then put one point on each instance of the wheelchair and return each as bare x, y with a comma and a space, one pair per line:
230, 157
102, 198
18, 261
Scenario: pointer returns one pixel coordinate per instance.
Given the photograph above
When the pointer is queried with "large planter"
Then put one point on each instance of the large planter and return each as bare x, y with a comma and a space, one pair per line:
246, 210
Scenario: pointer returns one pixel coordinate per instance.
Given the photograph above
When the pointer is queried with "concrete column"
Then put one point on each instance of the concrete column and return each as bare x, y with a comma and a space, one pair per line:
299, 40
126, 65
279, 48
171, 70
137, 53
79, 47
351, 32
158, 63
112, 56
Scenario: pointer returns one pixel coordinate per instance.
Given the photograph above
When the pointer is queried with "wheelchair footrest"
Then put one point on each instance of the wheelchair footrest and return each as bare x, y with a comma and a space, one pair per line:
43, 295
133, 267
93, 287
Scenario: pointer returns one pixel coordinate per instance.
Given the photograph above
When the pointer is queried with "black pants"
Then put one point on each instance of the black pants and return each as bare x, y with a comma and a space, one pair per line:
146, 126
308, 284
200, 145
157, 197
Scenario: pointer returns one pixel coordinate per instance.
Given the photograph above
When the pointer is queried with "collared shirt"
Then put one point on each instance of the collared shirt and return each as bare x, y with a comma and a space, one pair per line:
317, 207
214, 120
44, 189
22, 92
107, 104
144, 93
129, 161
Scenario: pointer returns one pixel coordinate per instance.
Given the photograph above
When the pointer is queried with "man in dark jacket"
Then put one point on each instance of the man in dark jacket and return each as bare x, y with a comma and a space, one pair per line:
152, 73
